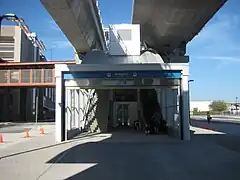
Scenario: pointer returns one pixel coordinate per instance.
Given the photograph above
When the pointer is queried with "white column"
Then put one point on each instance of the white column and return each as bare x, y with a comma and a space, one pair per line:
185, 107
76, 57
58, 109
77, 109
69, 111
81, 107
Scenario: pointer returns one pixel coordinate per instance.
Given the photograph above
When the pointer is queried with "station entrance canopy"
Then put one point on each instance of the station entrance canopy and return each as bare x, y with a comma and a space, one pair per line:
71, 80
122, 79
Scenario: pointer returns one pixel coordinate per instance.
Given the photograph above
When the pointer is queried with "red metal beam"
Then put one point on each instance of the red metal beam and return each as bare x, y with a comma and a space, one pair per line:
19, 76
53, 76
42, 75
30, 66
31, 75
36, 63
27, 84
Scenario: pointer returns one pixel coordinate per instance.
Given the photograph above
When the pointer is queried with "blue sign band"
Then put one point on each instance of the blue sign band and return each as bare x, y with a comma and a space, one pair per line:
172, 74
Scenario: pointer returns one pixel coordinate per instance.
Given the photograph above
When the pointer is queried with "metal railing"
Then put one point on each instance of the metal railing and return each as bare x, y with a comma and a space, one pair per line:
27, 77
117, 35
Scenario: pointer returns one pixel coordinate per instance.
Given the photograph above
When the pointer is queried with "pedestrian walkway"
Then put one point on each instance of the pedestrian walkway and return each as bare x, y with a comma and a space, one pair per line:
15, 140
219, 119
125, 156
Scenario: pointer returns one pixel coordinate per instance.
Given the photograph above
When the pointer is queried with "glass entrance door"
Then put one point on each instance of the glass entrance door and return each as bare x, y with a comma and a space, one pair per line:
122, 115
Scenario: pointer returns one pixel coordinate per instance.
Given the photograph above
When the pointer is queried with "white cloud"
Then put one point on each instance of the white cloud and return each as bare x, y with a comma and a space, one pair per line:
54, 38
221, 58
223, 61
219, 40
61, 44
52, 24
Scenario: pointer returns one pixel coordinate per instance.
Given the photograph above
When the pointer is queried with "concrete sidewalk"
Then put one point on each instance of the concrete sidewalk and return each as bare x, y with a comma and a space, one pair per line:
227, 117
127, 156
14, 140
7, 124
218, 119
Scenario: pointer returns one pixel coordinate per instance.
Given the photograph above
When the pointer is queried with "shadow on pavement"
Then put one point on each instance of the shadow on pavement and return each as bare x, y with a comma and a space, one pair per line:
217, 120
150, 157
14, 129
227, 139
226, 127
47, 146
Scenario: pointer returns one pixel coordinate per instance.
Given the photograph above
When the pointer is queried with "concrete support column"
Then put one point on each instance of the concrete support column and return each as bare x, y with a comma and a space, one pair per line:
110, 114
77, 57
58, 110
175, 101
52, 94
23, 104
185, 107
139, 106
49, 93
40, 103
171, 113
102, 109
163, 103
5, 110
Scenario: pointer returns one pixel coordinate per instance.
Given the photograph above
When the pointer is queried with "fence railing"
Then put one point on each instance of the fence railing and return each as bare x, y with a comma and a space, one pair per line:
27, 77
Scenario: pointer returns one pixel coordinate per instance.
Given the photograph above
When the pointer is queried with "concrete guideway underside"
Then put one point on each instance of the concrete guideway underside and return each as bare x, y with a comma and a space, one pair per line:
165, 24
179, 22
142, 157
80, 22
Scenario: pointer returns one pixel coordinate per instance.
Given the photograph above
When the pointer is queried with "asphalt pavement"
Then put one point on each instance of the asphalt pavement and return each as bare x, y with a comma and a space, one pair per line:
127, 156
219, 119
15, 140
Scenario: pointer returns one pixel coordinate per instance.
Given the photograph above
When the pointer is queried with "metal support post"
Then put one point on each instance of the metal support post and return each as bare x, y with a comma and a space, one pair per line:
1, 18
36, 107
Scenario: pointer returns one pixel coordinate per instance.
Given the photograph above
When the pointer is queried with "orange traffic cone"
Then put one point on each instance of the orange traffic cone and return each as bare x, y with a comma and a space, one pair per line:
27, 134
1, 138
41, 130
207, 127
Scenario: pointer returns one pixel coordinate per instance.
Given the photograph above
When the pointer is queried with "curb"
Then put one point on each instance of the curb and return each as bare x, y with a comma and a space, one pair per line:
47, 121
218, 121
48, 146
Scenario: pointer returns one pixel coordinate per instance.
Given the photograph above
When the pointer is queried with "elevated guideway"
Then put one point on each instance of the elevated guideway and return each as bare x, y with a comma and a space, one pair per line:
168, 24
80, 22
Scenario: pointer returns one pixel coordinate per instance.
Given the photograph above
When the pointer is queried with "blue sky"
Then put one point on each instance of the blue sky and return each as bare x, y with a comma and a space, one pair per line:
214, 53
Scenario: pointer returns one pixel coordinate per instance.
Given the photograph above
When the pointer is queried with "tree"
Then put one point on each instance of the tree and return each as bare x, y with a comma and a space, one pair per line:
195, 111
219, 106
